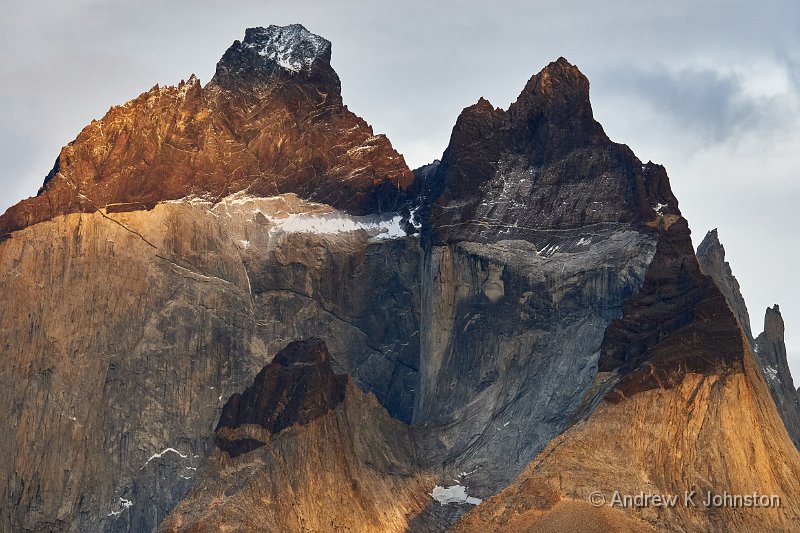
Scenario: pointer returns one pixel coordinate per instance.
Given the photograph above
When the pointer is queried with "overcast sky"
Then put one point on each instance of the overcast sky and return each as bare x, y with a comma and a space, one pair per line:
711, 91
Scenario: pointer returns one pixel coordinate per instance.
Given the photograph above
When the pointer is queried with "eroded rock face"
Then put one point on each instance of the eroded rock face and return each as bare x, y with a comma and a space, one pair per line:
543, 164
106, 428
271, 121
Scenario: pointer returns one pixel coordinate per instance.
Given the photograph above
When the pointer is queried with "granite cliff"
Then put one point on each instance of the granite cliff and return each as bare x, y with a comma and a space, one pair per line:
233, 306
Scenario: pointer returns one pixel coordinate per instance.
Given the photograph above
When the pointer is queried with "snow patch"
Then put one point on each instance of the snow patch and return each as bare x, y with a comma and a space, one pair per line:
584, 241
771, 373
333, 223
416, 222
293, 48
125, 504
454, 494
465, 474
322, 220
660, 208
159, 455
192, 199
549, 250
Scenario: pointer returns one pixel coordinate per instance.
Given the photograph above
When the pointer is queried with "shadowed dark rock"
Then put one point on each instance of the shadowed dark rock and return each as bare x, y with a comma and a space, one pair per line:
711, 255
277, 54
297, 387
678, 322
544, 164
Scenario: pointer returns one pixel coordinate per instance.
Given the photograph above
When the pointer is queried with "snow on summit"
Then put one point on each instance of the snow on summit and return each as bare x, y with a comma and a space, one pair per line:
292, 47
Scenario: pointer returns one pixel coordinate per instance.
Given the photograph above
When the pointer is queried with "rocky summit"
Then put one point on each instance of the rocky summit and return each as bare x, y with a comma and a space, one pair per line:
233, 307
271, 121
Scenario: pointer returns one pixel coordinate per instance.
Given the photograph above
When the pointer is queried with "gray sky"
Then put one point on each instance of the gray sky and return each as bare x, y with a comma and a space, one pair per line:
711, 91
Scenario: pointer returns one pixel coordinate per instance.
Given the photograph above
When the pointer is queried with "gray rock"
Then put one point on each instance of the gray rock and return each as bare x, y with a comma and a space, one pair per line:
711, 255
771, 352
512, 338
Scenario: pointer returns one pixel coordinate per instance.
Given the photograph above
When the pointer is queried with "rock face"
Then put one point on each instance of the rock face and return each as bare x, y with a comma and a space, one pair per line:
769, 348
544, 164
771, 352
325, 455
297, 387
532, 296
679, 322
682, 407
539, 229
711, 255
714, 432
187, 302
271, 121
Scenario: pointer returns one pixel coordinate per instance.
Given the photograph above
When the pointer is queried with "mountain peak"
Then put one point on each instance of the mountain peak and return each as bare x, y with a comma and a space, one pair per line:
555, 104
292, 47
773, 321
276, 52
563, 69
557, 83
207, 141
711, 244
711, 255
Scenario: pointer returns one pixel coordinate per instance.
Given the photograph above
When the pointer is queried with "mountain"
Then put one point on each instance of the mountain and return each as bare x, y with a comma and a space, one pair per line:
544, 164
187, 302
270, 121
234, 306
525, 267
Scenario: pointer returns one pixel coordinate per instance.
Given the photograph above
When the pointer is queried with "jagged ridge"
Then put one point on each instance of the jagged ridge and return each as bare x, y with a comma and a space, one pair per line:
270, 121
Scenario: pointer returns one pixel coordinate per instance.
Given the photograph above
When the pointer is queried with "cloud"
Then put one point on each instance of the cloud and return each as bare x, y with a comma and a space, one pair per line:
710, 105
